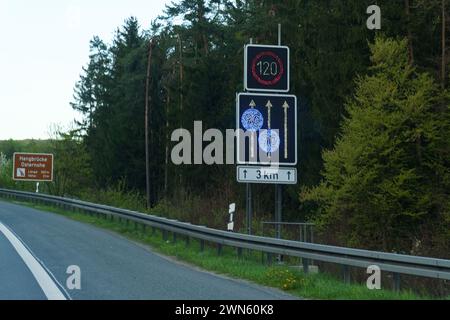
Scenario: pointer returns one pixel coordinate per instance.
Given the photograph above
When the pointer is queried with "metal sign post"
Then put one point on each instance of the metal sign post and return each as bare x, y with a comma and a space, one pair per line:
279, 34
278, 208
268, 119
279, 191
249, 208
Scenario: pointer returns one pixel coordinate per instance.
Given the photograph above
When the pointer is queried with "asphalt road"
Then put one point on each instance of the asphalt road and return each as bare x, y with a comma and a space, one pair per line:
37, 247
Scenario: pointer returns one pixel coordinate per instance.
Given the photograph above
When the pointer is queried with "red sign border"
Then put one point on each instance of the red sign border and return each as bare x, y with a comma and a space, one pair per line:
258, 78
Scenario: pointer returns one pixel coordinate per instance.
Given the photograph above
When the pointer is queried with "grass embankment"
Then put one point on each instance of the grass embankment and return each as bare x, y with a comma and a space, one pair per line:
249, 266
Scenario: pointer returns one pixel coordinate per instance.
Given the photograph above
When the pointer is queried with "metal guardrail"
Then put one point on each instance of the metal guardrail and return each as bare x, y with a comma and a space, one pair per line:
390, 262
305, 229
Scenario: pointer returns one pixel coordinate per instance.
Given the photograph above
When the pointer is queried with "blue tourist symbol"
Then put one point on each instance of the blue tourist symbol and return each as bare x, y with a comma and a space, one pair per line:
269, 141
252, 120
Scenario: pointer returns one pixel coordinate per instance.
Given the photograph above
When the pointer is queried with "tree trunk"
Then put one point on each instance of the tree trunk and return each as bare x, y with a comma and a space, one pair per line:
166, 164
181, 95
409, 33
444, 48
147, 102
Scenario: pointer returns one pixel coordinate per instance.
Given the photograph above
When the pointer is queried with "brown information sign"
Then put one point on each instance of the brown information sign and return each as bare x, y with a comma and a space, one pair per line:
33, 167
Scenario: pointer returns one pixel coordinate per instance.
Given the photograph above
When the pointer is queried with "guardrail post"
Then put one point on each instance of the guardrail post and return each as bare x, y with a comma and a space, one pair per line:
239, 253
396, 279
219, 249
187, 241
164, 235
346, 273
153, 231
174, 237
269, 259
202, 245
305, 265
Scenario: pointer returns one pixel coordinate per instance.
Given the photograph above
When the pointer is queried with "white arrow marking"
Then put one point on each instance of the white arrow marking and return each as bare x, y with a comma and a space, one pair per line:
285, 107
252, 136
269, 106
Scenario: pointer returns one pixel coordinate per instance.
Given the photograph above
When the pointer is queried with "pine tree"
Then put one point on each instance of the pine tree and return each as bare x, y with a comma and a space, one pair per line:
386, 181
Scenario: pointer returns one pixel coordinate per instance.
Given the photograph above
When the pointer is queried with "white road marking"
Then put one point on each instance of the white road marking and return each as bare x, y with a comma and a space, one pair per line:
51, 290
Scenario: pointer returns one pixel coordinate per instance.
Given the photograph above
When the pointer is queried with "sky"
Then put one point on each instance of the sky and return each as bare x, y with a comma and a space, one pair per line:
43, 47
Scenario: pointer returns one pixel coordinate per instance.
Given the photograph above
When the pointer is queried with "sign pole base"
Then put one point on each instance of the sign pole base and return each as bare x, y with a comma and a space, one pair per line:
278, 214
249, 208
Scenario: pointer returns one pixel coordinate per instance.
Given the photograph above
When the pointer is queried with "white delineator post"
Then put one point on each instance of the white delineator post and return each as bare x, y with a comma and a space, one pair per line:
231, 210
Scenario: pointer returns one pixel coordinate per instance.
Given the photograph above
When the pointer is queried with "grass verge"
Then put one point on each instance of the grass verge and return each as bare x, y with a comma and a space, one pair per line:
248, 267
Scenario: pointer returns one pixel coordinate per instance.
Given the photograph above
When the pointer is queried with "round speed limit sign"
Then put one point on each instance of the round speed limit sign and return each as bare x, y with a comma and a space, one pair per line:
266, 68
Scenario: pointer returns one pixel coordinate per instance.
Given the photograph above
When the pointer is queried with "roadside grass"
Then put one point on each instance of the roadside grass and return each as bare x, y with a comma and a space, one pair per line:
248, 266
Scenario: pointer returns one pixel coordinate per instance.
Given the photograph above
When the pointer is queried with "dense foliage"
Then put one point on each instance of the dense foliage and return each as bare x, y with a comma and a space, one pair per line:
387, 179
